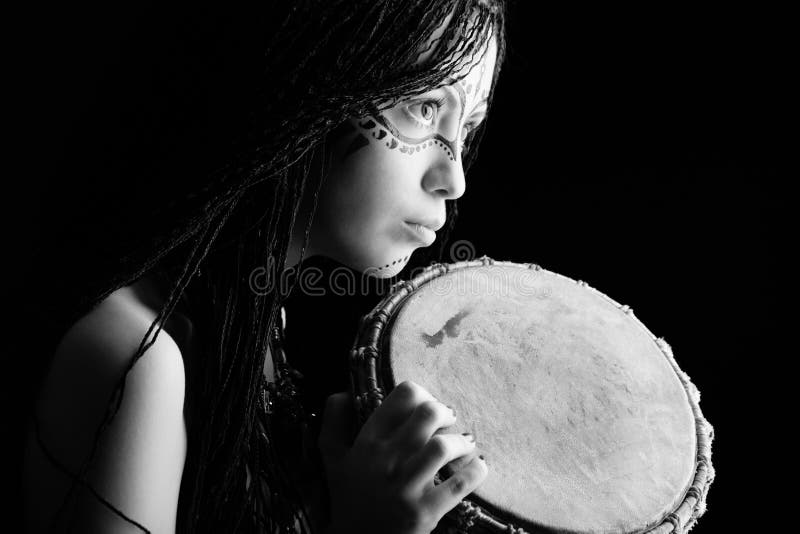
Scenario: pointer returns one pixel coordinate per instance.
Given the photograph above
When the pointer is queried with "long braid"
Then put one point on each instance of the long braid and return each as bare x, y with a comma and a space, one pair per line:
323, 63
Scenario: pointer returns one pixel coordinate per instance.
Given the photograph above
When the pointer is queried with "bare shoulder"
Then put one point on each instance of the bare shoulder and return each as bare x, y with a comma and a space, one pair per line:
139, 459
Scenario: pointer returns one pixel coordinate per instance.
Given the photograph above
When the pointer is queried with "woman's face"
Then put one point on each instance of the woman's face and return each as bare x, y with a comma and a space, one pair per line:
393, 172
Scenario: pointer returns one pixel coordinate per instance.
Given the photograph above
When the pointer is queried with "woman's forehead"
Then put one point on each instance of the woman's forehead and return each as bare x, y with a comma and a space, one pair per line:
473, 88
479, 71
478, 81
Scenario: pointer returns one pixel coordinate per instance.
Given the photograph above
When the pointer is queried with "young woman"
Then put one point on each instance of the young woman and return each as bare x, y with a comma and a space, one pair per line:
164, 401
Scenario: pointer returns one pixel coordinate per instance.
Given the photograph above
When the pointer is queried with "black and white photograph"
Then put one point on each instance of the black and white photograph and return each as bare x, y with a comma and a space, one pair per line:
398, 267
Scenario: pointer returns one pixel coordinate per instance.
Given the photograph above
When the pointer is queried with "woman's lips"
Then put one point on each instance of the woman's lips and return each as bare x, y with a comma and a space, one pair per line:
421, 233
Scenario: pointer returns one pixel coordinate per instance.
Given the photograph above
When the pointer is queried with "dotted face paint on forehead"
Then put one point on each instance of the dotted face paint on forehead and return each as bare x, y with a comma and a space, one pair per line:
485, 91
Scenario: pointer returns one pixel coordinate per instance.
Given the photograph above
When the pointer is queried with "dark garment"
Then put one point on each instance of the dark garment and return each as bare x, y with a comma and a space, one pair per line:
321, 328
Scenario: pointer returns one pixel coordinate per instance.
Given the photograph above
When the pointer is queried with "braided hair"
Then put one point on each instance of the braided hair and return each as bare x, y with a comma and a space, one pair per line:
225, 114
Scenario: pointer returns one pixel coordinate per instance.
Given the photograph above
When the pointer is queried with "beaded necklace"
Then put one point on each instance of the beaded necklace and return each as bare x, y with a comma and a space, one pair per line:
285, 457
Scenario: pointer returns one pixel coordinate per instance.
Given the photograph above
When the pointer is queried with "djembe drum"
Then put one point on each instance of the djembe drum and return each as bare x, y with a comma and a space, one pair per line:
587, 422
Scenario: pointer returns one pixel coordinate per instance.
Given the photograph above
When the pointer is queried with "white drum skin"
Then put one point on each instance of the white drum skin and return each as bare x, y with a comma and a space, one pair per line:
583, 416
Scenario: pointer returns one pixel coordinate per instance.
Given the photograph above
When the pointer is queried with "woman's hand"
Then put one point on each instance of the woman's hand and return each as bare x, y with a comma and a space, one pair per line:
384, 481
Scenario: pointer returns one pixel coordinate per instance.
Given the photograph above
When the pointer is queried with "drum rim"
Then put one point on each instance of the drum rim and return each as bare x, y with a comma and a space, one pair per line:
369, 372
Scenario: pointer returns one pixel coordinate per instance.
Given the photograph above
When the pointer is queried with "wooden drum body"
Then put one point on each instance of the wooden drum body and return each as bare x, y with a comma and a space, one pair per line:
586, 421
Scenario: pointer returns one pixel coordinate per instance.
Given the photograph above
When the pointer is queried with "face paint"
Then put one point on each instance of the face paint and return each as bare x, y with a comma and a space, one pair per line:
401, 261
380, 127
407, 134
484, 93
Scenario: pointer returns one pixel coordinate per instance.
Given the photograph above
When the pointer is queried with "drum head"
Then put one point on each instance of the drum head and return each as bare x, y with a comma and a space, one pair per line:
582, 418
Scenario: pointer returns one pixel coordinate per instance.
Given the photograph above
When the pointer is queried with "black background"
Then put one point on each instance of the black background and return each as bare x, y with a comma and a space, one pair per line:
644, 151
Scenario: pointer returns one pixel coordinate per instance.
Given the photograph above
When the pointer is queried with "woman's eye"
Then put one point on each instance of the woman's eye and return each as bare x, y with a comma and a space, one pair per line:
425, 113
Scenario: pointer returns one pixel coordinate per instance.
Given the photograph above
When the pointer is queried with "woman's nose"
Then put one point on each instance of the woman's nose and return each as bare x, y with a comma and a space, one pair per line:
445, 177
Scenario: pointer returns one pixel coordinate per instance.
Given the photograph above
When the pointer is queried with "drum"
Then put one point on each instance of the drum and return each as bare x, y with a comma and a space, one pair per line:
586, 421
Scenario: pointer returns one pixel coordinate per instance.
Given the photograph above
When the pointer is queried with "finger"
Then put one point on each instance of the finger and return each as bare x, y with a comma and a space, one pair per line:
448, 494
441, 449
338, 422
398, 405
459, 463
426, 419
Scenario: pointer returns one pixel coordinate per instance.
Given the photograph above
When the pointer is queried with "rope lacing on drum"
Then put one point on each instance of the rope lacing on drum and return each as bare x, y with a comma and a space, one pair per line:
675, 520
467, 514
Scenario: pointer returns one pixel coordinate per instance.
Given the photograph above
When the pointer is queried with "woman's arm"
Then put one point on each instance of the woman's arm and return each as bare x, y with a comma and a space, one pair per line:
140, 457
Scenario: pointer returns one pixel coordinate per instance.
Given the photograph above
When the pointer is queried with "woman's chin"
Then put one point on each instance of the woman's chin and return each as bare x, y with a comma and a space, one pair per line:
376, 265
390, 268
